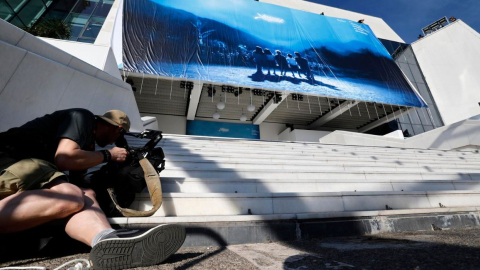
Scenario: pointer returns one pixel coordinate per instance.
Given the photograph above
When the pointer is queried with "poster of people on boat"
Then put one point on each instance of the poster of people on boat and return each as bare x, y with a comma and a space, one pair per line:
259, 45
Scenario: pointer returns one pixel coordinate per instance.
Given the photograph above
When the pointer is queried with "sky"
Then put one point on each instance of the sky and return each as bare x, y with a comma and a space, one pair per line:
408, 17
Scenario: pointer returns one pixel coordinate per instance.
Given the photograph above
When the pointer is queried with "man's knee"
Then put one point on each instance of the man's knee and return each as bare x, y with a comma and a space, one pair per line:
71, 199
89, 192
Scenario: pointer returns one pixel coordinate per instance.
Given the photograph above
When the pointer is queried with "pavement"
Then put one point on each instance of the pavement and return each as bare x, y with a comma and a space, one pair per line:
439, 249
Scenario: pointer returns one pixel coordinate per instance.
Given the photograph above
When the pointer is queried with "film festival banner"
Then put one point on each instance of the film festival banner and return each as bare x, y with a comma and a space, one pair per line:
258, 45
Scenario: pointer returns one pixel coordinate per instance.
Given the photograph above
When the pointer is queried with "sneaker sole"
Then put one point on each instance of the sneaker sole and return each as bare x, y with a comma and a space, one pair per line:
150, 248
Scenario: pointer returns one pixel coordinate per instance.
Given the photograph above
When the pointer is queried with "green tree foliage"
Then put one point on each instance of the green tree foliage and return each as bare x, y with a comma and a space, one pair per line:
50, 28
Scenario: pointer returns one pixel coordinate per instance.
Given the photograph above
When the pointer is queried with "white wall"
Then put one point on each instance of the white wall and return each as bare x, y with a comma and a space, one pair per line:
111, 33
111, 66
285, 135
170, 124
450, 62
100, 57
454, 136
149, 122
395, 134
300, 135
378, 25
37, 78
270, 131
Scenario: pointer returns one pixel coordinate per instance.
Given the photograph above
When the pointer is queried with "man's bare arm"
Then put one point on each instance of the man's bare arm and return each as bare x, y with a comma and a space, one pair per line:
70, 157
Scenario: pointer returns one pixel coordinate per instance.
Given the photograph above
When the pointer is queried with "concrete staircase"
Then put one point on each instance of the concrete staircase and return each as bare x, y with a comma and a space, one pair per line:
210, 180
218, 177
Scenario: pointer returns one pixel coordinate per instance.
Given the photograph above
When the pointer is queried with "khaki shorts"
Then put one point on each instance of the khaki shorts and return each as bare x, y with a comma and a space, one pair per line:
26, 174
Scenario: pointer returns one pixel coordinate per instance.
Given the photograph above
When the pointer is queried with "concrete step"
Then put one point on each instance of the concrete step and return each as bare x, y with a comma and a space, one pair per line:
316, 156
312, 146
208, 231
239, 143
195, 162
195, 185
284, 157
221, 140
186, 166
318, 150
191, 142
223, 204
316, 174
244, 151
302, 216
241, 169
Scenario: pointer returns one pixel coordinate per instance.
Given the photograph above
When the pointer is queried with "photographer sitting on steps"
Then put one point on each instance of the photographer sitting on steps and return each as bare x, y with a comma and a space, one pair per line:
34, 190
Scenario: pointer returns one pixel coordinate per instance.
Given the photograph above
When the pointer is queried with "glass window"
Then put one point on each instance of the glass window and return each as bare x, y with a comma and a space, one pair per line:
400, 58
388, 45
407, 130
404, 119
422, 112
436, 117
17, 22
48, 2
416, 73
64, 5
409, 56
414, 118
32, 11
93, 27
418, 129
394, 48
404, 56
57, 14
424, 92
5, 11
406, 69
103, 8
60, 9
16, 4
86, 40
85, 7
428, 128
78, 22
398, 49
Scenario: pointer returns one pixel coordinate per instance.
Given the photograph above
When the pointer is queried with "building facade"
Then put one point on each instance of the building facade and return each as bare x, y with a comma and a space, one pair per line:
85, 16
174, 105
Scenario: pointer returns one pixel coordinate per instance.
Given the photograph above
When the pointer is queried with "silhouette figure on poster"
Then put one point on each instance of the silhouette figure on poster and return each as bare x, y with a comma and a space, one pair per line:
270, 61
281, 62
259, 58
293, 65
304, 66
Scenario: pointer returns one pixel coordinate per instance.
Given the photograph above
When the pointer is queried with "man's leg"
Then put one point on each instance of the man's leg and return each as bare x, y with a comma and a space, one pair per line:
87, 223
31, 208
59, 199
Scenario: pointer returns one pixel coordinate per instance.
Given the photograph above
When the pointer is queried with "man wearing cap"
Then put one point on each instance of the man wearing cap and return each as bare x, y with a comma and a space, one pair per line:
34, 190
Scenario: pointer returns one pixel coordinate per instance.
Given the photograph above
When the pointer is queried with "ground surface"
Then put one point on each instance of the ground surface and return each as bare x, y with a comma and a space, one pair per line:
451, 249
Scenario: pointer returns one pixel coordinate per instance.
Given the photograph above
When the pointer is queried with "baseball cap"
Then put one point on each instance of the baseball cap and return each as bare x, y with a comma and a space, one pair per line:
116, 118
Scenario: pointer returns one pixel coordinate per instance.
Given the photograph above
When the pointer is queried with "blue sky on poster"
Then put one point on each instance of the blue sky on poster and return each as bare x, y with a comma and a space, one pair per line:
408, 17
283, 26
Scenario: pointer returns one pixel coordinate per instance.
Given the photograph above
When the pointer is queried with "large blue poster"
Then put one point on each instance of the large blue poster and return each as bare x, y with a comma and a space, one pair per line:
258, 45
